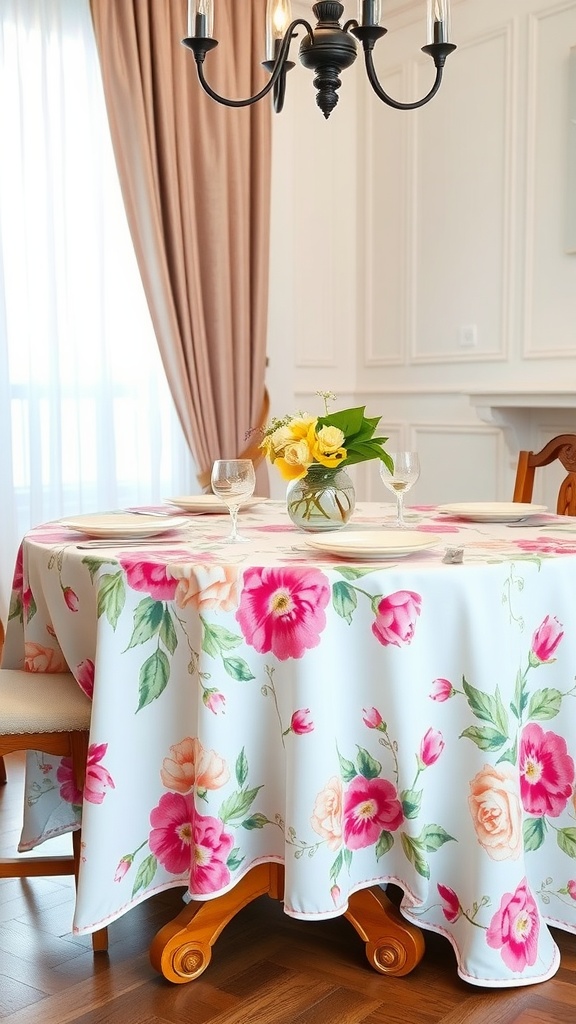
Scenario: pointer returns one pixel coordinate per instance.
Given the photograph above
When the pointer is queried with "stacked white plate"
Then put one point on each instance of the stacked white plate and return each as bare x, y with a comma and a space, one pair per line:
492, 511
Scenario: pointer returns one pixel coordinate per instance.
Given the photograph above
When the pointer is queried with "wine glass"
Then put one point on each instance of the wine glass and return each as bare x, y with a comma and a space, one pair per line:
233, 481
405, 473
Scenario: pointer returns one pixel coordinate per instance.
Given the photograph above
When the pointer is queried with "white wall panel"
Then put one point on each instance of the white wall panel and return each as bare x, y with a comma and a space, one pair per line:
462, 214
550, 285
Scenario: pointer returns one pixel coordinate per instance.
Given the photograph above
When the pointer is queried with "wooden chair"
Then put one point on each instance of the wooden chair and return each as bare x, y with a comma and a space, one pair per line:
561, 449
49, 713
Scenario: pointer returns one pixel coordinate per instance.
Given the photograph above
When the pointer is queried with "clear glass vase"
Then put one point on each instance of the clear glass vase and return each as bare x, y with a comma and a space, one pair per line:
324, 499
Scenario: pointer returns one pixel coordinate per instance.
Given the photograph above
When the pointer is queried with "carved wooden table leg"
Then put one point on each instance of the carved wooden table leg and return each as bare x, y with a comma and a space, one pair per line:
393, 945
182, 949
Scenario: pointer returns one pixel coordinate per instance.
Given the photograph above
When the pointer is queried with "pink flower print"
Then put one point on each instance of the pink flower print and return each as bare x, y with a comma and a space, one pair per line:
71, 598
27, 601
370, 806
18, 578
442, 690
572, 888
545, 642
546, 772
515, 927
282, 609
212, 846
431, 747
214, 701
85, 676
301, 722
335, 894
124, 866
98, 779
171, 837
372, 718
548, 546
396, 618
150, 575
451, 908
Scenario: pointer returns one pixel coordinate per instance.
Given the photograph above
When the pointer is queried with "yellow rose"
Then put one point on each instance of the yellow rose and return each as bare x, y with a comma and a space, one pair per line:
330, 439
300, 426
295, 461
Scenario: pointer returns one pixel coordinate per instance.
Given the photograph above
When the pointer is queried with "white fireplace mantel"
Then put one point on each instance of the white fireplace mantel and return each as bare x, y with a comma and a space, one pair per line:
516, 411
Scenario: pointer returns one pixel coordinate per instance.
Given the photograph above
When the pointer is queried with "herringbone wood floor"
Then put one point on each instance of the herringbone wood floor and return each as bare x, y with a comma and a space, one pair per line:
266, 968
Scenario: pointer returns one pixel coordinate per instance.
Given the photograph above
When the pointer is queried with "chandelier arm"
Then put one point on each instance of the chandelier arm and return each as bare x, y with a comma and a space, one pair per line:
274, 78
373, 79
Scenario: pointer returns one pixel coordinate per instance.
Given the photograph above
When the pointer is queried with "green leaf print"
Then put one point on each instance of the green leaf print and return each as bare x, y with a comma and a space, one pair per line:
432, 837
336, 868
510, 755
168, 632
237, 804
485, 738
234, 859
385, 843
534, 831
154, 676
347, 768
412, 850
353, 573
238, 669
545, 704
411, 802
111, 596
255, 821
367, 765
217, 639
148, 617
344, 600
566, 839
145, 874
241, 768
93, 564
487, 707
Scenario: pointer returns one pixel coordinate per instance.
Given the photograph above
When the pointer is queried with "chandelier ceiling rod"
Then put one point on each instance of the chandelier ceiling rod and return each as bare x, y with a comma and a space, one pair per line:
327, 49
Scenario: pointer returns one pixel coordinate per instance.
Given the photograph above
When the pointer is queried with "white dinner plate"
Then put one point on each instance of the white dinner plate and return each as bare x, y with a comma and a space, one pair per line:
492, 511
121, 525
373, 545
207, 503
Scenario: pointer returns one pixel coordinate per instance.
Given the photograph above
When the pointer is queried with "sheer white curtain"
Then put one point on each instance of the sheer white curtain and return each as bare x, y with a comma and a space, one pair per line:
86, 419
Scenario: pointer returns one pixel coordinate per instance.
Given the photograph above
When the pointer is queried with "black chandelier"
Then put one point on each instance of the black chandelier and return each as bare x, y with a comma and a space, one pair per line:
327, 49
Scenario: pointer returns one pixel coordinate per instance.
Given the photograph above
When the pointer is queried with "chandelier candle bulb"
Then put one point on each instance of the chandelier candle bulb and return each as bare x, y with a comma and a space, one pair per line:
438, 21
278, 17
369, 12
200, 19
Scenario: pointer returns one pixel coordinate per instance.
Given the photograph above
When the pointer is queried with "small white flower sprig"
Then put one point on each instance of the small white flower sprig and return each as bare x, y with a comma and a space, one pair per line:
295, 443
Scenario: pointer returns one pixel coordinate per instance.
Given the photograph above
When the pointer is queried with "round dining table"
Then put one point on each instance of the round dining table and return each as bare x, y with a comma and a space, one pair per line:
317, 716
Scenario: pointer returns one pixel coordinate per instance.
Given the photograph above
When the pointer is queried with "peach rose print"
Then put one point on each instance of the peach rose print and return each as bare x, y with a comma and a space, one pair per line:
496, 811
191, 765
326, 817
206, 587
38, 658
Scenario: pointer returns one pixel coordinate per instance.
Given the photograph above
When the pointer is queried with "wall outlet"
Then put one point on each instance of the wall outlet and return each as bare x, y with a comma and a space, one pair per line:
468, 336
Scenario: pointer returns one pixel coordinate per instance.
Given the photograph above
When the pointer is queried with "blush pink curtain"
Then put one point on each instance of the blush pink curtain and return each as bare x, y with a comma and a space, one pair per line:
195, 178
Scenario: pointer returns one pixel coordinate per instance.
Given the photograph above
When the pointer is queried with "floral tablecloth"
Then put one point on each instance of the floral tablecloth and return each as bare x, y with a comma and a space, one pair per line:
406, 720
